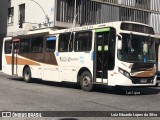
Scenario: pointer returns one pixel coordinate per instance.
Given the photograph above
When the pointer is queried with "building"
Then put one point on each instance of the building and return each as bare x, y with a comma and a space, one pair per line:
36, 14
3, 23
25, 15
100, 11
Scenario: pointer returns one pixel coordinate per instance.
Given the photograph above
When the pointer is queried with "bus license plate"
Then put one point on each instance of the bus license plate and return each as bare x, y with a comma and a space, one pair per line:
143, 80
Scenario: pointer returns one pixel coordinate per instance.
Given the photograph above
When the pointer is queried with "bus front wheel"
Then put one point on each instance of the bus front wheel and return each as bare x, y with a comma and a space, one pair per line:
86, 81
27, 75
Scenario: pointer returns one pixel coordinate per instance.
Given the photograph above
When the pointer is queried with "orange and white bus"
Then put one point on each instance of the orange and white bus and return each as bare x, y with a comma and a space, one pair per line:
114, 54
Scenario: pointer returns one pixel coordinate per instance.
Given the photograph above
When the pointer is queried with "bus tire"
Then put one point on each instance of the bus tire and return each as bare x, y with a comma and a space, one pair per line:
86, 81
27, 75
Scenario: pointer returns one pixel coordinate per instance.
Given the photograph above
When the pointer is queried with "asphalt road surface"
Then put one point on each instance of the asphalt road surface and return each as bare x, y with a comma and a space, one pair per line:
16, 95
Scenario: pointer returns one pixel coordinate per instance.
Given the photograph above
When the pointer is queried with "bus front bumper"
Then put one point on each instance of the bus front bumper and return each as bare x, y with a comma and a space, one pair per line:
132, 81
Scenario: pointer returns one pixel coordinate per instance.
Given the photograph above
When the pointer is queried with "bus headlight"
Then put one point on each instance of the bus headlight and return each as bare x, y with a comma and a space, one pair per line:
125, 73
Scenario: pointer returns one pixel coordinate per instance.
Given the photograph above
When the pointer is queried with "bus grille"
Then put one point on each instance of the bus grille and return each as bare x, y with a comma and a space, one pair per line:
142, 80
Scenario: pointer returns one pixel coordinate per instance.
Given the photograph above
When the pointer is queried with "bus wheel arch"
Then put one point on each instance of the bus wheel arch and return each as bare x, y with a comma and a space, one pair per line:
80, 73
27, 75
85, 79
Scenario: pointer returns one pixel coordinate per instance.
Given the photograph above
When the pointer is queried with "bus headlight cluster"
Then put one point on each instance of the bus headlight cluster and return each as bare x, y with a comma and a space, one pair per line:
125, 73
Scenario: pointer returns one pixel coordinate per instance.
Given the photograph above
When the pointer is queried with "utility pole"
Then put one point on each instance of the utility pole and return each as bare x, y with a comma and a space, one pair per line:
75, 14
82, 13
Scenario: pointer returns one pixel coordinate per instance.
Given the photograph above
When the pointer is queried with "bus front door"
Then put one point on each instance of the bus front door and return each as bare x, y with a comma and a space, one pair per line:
101, 57
15, 51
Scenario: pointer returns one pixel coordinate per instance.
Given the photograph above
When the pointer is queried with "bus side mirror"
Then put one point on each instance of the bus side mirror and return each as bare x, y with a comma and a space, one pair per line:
119, 42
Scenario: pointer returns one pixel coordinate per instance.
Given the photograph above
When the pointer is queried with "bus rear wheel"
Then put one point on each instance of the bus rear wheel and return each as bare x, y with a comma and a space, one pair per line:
27, 75
86, 81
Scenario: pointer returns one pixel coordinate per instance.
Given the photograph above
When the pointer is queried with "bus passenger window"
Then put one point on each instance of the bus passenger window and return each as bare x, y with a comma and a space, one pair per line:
50, 44
8, 47
37, 45
65, 42
83, 41
25, 45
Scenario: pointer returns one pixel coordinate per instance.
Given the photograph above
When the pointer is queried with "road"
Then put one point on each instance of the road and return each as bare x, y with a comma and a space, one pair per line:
16, 95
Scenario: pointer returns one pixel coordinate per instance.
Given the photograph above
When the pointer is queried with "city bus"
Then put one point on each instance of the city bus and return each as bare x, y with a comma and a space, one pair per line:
116, 54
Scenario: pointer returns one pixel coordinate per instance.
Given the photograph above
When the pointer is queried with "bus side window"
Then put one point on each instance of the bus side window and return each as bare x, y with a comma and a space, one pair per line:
50, 44
8, 47
37, 45
25, 45
83, 41
65, 42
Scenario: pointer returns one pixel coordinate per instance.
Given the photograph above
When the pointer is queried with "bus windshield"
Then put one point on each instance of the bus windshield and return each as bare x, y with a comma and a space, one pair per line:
136, 48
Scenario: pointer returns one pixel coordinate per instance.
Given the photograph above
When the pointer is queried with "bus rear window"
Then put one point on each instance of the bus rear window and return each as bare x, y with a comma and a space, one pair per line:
8, 47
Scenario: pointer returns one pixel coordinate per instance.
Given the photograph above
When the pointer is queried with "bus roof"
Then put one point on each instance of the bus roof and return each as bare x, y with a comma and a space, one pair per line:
51, 31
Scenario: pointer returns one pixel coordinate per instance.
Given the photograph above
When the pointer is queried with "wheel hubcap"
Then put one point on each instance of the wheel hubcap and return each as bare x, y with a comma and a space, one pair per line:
26, 75
86, 81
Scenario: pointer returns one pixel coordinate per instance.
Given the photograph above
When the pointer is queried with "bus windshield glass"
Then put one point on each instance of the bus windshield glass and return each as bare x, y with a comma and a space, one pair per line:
136, 48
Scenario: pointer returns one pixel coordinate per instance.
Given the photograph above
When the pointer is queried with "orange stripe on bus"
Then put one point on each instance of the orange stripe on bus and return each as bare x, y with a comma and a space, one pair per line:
20, 61
149, 73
